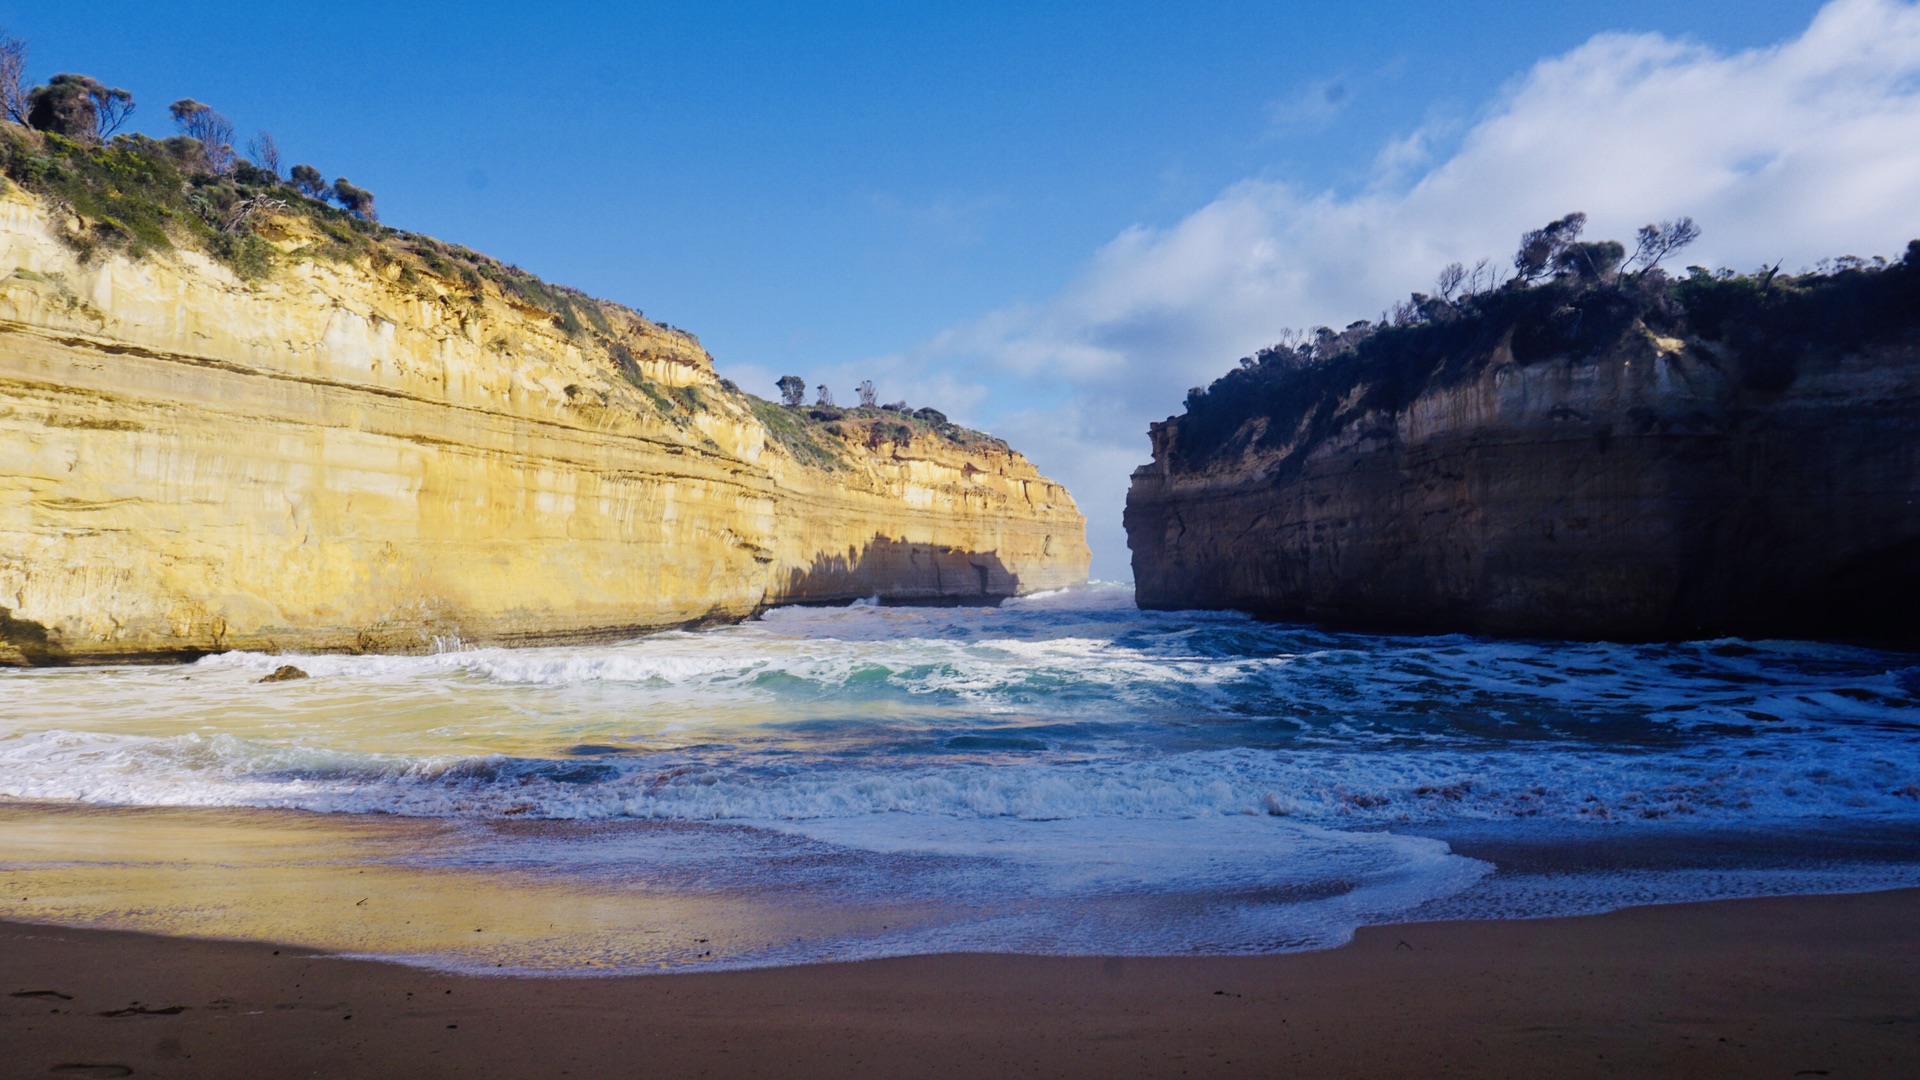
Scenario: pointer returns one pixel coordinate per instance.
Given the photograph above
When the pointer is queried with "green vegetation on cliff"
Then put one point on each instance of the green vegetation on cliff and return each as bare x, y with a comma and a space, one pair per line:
141, 196
1571, 299
133, 195
820, 436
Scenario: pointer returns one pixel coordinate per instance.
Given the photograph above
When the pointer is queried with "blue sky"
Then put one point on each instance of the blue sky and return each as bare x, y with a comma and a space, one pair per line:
970, 202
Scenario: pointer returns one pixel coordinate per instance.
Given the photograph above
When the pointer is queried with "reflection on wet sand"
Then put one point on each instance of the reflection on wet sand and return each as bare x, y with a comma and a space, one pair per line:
376, 886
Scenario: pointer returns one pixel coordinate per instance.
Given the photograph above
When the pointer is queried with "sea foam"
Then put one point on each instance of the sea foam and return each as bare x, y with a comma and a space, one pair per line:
1073, 744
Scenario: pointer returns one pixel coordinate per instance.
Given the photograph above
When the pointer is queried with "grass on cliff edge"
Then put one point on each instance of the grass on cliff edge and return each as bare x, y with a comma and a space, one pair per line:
820, 435
138, 196
1765, 328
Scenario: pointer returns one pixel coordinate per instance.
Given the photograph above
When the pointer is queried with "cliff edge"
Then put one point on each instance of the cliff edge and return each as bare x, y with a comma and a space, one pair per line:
366, 440
1599, 455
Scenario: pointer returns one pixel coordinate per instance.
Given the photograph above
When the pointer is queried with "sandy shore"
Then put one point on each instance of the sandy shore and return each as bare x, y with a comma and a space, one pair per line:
1798, 986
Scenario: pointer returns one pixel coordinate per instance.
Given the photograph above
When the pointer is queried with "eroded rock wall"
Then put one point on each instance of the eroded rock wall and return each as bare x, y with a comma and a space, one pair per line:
1643, 493
337, 459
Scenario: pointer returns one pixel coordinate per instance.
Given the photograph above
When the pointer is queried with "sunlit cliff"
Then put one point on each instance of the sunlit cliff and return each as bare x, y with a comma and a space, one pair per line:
377, 449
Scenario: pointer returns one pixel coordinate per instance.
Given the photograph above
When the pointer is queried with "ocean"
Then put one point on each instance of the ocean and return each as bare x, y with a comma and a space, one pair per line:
1063, 773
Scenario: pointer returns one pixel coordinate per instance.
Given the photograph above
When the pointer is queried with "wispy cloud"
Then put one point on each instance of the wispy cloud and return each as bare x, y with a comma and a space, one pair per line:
1794, 152
1310, 108
954, 220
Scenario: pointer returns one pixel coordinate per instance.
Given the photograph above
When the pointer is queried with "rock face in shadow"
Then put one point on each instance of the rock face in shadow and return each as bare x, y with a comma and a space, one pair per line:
362, 456
1678, 477
901, 571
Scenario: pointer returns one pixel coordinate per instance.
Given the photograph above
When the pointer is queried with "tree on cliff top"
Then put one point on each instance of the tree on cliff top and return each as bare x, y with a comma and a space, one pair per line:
308, 181
793, 390
78, 107
13, 78
213, 130
1594, 260
1540, 249
357, 200
266, 153
1767, 330
1661, 239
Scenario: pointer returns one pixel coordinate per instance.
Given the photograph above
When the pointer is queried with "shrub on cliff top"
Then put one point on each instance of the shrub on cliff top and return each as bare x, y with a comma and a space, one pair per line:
793, 390
308, 181
213, 131
357, 200
126, 197
1772, 327
78, 107
793, 434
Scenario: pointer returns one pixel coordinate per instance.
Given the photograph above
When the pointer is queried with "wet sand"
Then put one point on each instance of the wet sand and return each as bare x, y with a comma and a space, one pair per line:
1786, 987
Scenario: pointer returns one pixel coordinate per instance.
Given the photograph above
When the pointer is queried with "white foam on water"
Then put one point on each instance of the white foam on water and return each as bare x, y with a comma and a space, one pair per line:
1119, 769
1346, 789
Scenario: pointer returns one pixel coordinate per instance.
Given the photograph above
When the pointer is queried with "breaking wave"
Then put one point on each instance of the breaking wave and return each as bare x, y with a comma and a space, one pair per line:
1092, 745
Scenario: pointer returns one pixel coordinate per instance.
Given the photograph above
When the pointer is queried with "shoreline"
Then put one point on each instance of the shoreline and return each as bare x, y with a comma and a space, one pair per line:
1793, 985
426, 641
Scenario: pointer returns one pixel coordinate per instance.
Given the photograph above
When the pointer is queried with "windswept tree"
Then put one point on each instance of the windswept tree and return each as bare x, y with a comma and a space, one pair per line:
357, 200
868, 395
1590, 260
826, 397
308, 181
13, 78
1482, 278
1541, 248
793, 390
1661, 239
213, 130
265, 153
1452, 276
78, 107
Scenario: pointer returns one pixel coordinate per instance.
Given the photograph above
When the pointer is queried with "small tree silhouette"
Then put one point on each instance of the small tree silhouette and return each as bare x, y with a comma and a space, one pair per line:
357, 200
1590, 260
793, 390
1540, 248
868, 395
265, 152
308, 181
214, 131
1661, 239
78, 107
13, 78
826, 397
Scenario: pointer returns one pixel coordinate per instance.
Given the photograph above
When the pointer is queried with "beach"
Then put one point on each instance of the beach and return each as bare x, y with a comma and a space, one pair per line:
1781, 986
1061, 837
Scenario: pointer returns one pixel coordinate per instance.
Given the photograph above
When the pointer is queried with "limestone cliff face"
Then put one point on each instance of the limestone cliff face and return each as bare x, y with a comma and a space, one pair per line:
361, 457
1656, 488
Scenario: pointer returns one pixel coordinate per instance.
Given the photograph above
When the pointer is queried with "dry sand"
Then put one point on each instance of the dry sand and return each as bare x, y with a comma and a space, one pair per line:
1796, 986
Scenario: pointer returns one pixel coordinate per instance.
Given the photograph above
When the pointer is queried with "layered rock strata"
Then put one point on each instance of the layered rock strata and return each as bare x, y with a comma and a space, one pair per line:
362, 457
1657, 488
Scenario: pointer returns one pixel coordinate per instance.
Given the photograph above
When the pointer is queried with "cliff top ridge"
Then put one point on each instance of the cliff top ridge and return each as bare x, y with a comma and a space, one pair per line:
1564, 298
135, 196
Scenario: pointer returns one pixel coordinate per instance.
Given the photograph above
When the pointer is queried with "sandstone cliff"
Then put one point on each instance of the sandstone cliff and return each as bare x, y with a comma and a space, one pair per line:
376, 451
1637, 460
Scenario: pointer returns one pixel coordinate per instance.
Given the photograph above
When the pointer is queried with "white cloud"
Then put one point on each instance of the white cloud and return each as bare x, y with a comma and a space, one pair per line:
1795, 152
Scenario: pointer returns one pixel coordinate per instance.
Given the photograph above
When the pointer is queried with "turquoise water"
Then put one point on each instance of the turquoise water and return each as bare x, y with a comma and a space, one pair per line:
1063, 773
